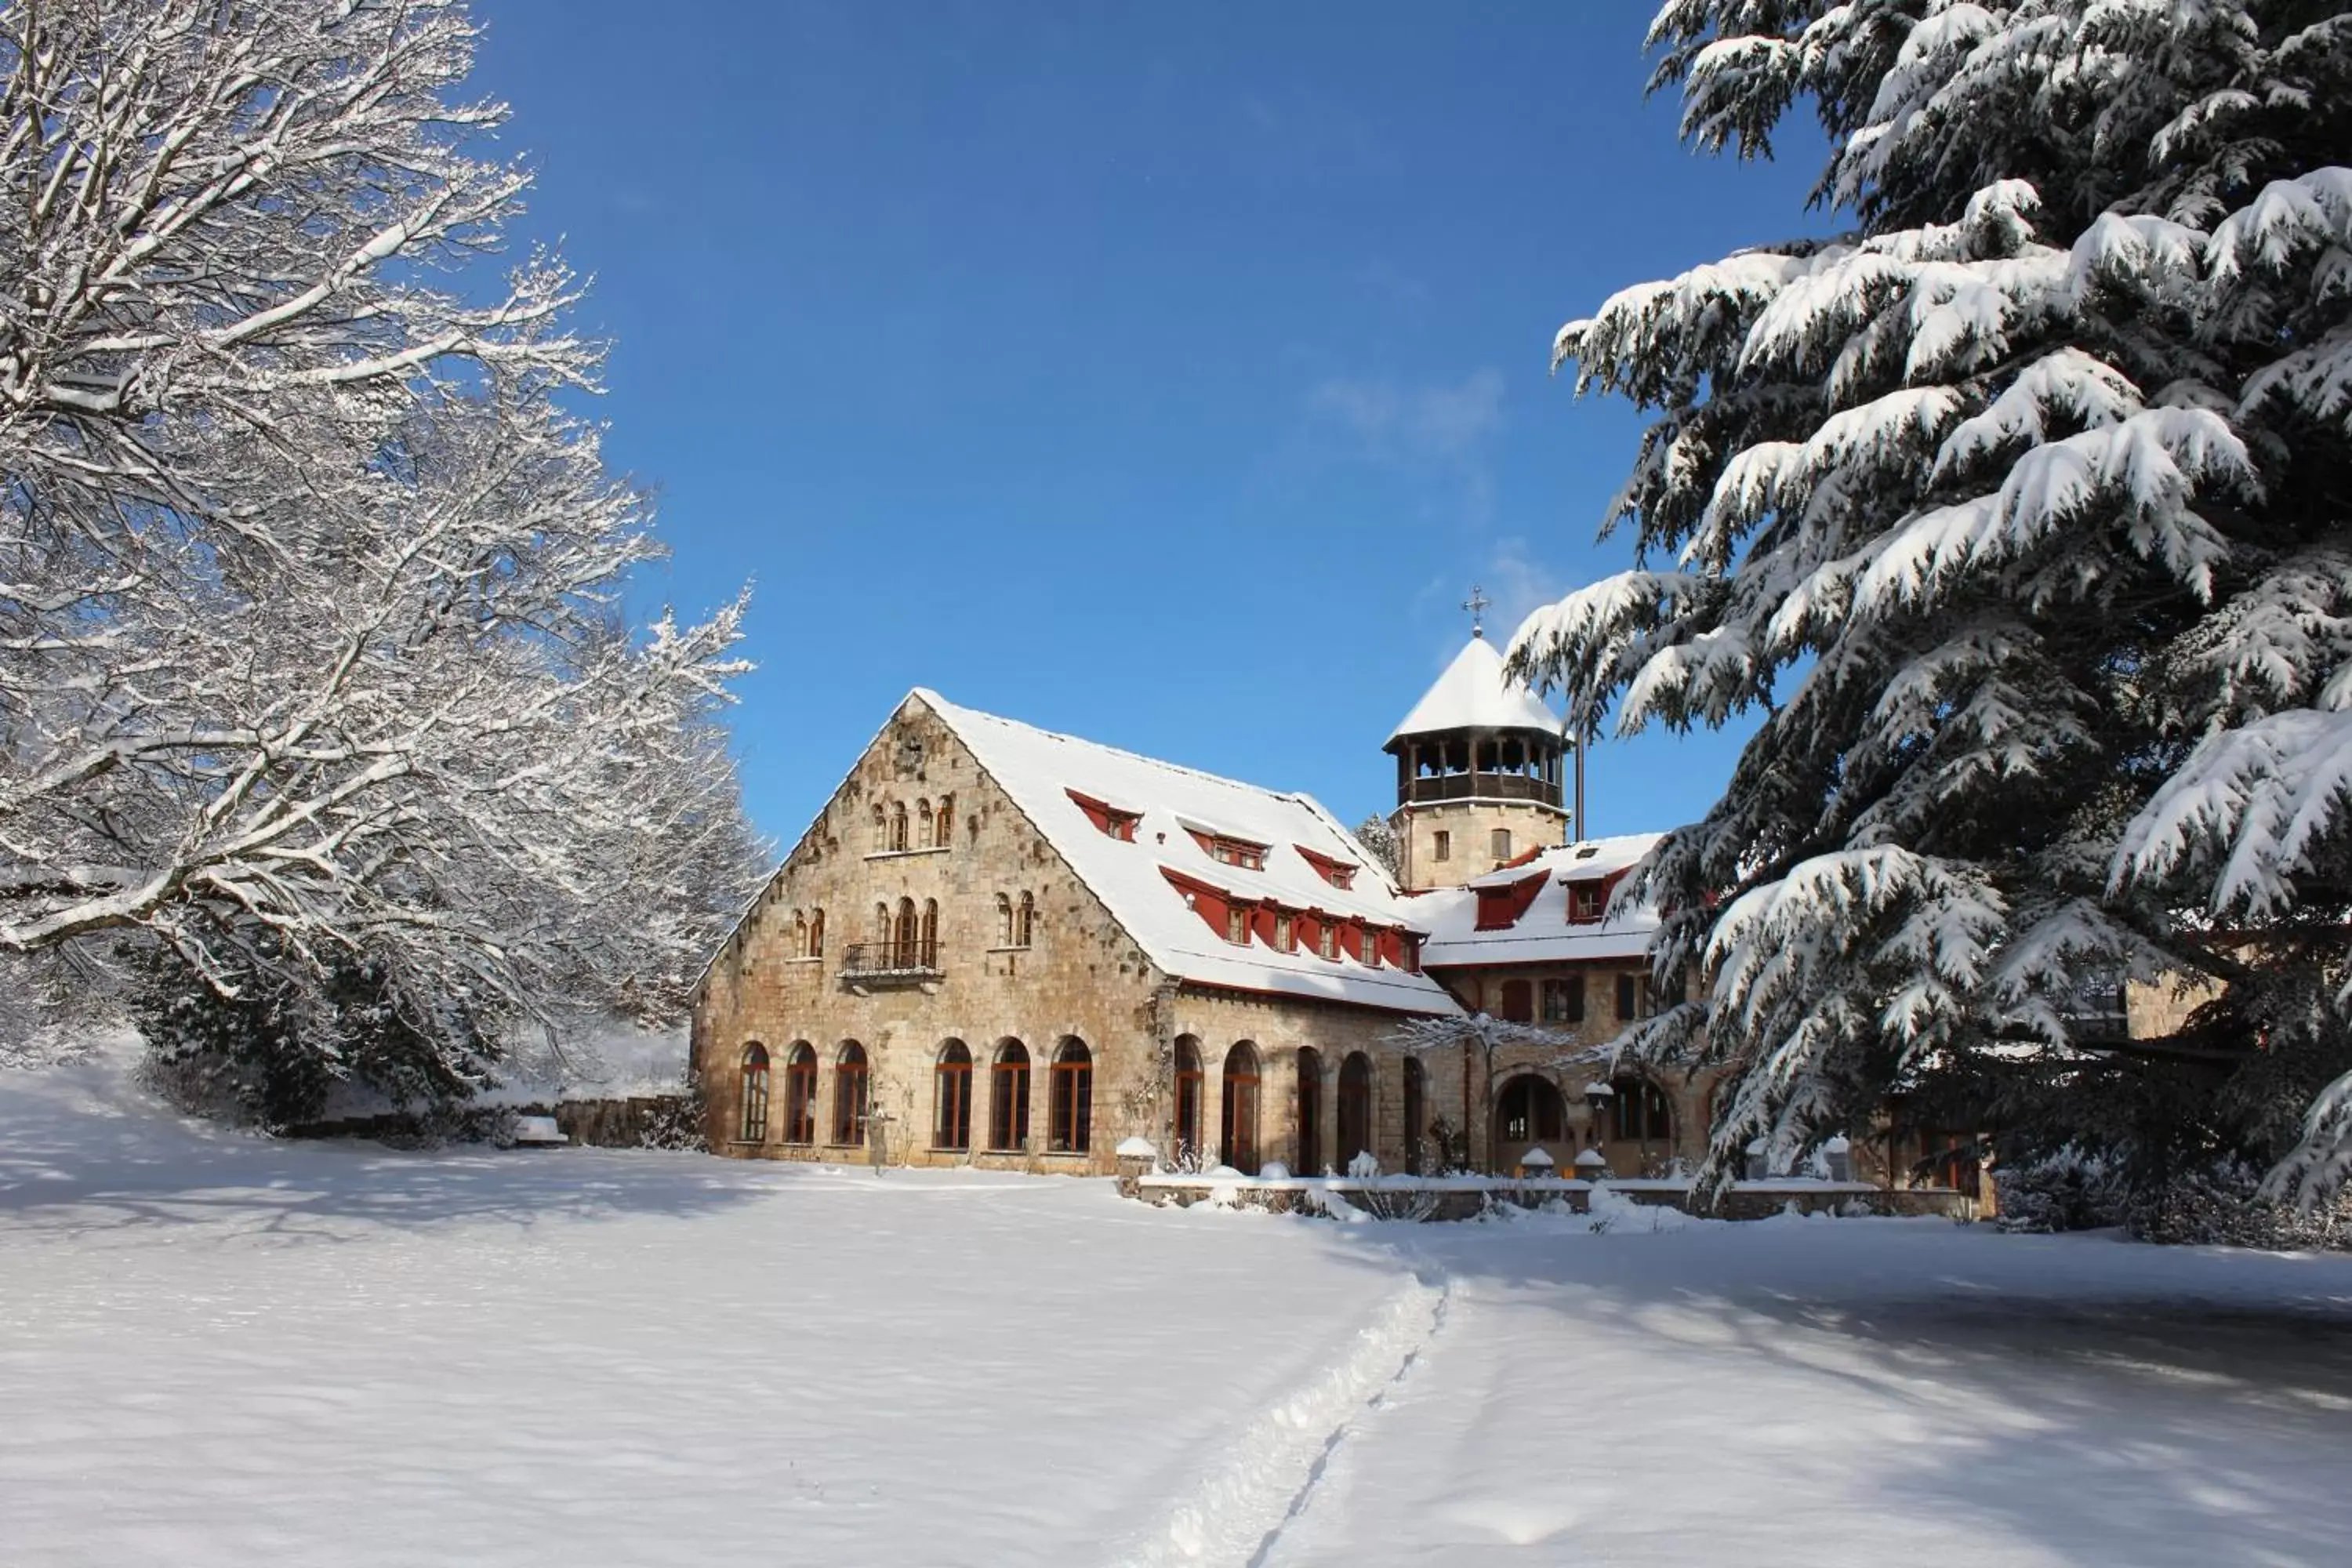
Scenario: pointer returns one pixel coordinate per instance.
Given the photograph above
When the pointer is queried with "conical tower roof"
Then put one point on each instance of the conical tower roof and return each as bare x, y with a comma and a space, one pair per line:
1475, 694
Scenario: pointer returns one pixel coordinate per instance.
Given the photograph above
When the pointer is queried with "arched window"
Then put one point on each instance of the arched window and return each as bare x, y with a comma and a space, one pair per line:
1238, 1124
1416, 1111
1530, 1111
1188, 1098
924, 819
905, 936
1008, 1098
1355, 1112
816, 933
881, 828
849, 1093
898, 824
951, 1122
1070, 1112
1518, 1001
800, 934
929, 957
1004, 920
800, 1094
1308, 1155
754, 1128
882, 927
1640, 1112
1024, 921
944, 822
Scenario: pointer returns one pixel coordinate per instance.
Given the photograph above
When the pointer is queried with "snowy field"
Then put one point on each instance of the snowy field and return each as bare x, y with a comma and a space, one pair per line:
220, 1350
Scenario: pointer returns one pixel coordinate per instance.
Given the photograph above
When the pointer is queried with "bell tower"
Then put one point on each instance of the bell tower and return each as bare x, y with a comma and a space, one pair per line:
1481, 766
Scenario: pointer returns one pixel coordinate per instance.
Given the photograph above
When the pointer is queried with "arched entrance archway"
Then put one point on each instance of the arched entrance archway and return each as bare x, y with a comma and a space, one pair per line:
1355, 1109
1237, 1126
1307, 1158
1530, 1111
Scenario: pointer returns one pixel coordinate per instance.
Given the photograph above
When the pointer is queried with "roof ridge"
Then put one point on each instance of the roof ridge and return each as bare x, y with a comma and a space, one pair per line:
946, 708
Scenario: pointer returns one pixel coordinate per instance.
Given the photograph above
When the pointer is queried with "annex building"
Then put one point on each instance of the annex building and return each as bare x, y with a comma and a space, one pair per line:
1004, 947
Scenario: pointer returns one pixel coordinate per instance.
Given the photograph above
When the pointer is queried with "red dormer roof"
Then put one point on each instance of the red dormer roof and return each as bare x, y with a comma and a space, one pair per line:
1499, 908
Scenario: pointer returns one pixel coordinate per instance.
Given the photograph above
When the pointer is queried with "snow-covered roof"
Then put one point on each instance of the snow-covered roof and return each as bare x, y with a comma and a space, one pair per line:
1542, 934
1040, 770
1475, 694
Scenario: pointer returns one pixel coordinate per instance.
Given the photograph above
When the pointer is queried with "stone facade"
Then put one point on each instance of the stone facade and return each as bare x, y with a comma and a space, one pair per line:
1444, 844
919, 830
1072, 974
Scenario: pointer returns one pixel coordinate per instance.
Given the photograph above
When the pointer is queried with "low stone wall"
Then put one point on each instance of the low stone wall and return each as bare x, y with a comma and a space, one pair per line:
1463, 1197
599, 1123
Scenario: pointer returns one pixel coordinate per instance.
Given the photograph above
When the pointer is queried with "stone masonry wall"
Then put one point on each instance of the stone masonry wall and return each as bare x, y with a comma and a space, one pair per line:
1078, 977
1469, 826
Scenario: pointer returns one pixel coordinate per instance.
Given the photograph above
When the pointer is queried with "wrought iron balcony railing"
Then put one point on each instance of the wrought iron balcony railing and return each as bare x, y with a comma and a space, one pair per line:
888, 962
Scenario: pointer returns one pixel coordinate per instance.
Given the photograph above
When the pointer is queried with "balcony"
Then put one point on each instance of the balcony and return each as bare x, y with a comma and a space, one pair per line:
1481, 786
873, 965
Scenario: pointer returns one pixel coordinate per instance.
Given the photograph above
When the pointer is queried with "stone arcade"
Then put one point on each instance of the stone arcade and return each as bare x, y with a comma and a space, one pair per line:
1008, 948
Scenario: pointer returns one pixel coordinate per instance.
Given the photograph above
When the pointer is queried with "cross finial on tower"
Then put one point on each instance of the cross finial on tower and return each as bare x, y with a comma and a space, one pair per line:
1477, 604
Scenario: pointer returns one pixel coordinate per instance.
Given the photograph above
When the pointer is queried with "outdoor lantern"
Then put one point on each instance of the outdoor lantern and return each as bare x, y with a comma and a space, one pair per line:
1599, 1096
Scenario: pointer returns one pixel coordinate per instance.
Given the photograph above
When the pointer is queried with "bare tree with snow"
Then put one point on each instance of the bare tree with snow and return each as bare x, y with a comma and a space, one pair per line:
308, 649
2020, 513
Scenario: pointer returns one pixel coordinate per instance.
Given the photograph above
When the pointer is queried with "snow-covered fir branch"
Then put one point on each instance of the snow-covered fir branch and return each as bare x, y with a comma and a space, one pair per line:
2017, 516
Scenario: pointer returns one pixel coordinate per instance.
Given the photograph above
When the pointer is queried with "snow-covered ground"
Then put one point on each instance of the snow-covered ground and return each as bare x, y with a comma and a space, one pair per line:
220, 1350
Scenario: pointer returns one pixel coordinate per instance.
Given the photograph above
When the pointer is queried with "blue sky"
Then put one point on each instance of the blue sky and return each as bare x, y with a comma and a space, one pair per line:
1164, 374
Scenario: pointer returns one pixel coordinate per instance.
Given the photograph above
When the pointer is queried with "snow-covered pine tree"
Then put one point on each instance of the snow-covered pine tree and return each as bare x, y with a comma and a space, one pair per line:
2022, 515
1379, 841
309, 664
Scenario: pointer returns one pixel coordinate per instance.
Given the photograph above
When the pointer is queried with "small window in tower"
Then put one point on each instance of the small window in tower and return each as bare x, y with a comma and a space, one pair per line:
1441, 846
1501, 844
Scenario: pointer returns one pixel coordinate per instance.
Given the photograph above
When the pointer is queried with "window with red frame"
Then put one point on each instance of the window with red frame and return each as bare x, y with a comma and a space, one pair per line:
1109, 820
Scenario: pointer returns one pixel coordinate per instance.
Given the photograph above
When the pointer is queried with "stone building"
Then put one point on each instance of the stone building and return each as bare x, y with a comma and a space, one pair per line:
1012, 949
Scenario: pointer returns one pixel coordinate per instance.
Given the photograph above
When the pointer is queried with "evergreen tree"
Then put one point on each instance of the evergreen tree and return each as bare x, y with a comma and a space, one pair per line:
2021, 516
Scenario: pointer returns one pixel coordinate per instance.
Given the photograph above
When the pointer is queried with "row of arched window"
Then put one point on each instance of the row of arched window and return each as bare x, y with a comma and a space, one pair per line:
929, 826
1240, 1096
808, 933
1069, 1100
908, 935
1528, 1109
1016, 921
1531, 1110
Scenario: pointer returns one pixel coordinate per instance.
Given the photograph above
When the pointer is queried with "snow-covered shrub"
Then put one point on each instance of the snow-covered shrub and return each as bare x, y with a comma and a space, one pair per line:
2069, 1190
255, 1048
680, 1121
2225, 1204
1413, 1203
1365, 1166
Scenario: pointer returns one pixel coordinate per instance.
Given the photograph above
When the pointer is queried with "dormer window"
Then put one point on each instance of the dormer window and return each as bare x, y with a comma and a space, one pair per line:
1587, 900
1284, 937
1340, 874
1326, 940
1237, 925
1110, 821
1367, 947
1499, 908
1227, 850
